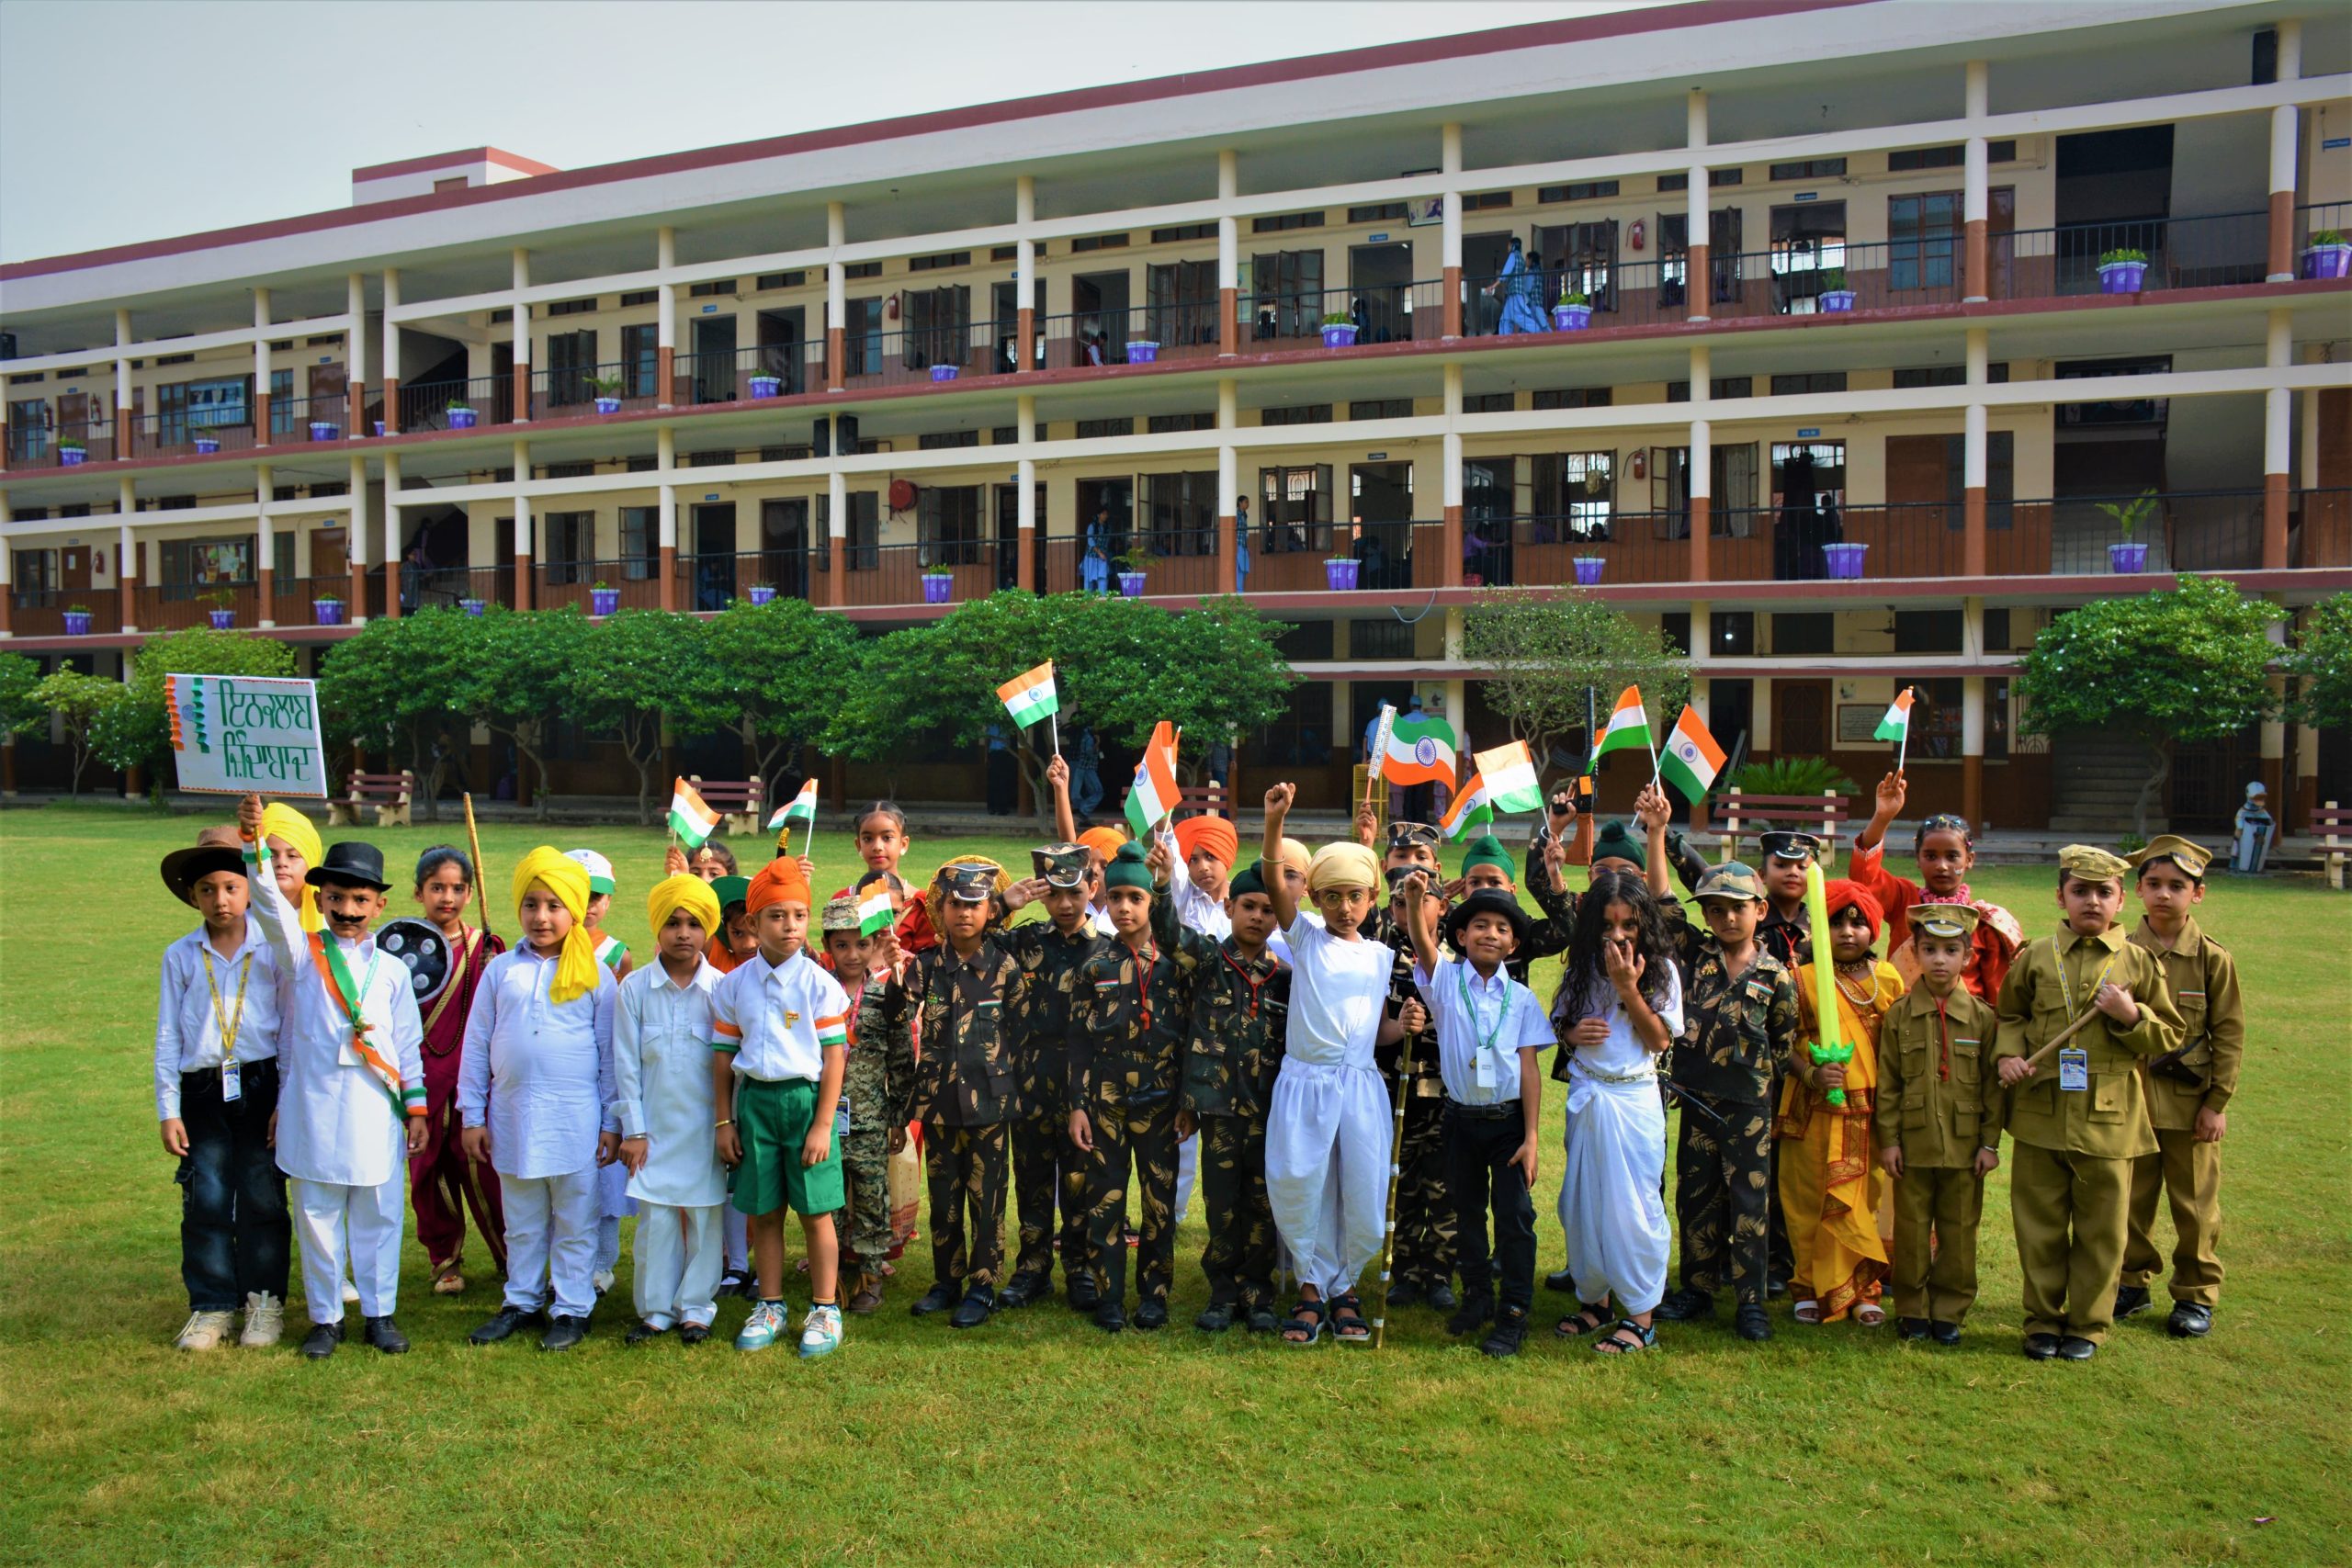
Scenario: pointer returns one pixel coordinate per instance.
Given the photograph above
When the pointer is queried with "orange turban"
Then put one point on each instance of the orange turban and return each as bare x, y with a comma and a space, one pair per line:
1103, 842
1214, 834
778, 882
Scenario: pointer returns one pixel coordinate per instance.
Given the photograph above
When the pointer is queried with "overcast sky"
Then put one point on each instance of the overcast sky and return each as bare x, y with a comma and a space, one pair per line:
209, 115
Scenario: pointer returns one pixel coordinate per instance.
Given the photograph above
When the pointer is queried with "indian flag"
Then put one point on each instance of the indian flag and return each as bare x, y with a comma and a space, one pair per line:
1419, 751
1628, 728
874, 911
1154, 795
1512, 782
691, 816
1896, 724
833, 1030
1691, 758
1031, 697
1470, 811
801, 808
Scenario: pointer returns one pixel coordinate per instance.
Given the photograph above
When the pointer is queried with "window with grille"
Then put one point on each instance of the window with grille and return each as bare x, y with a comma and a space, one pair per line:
1809, 169
947, 522
1278, 222
1580, 190
1382, 407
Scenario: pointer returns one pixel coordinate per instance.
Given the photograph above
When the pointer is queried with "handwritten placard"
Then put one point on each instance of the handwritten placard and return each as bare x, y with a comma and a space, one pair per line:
233, 734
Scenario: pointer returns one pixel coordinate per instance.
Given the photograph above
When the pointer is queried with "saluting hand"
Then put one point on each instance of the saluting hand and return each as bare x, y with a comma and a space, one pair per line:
1024, 893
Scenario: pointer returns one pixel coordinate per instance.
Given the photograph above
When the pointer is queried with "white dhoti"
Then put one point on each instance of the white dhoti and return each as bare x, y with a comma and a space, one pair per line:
677, 1264
551, 1241
331, 1221
1328, 1133
1609, 1204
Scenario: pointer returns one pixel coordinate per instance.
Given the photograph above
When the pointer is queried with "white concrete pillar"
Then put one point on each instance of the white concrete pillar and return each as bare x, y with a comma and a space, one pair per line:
665, 448
1702, 448
1698, 292
2277, 425
126, 548
522, 325
1702, 642
2284, 126
1024, 482
392, 368
122, 341
261, 351
1450, 233
355, 305
666, 518
1024, 256
837, 504
665, 323
836, 279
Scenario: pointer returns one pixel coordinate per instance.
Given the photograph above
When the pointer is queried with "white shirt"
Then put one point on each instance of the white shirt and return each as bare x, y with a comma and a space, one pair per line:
771, 1016
538, 1074
1622, 1054
1337, 992
662, 1034
1480, 1034
338, 1123
188, 1027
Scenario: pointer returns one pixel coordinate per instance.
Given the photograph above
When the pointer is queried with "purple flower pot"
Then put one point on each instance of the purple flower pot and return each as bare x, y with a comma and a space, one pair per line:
77, 622
1339, 337
945, 372
2122, 277
223, 620
326, 611
1589, 570
608, 405
1837, 301
936, 589
380, 427
1131, 584
72, 456
603, 601
2128, 557
1142, 351
2328, 261
1340, 576
206, 445
1845, 561
324, 430
761, 594
462, 418
471, 607
766, 386
1571, 318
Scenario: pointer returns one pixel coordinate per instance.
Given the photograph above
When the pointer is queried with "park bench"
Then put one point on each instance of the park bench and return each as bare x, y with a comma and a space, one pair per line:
2331, 823
389, 793
736, 801
1733, 816
1209, 800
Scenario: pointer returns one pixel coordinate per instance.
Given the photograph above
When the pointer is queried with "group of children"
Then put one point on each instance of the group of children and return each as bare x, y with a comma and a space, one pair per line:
1292, 1029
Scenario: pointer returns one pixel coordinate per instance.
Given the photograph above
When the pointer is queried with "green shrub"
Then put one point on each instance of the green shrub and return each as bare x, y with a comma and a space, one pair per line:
1792, 775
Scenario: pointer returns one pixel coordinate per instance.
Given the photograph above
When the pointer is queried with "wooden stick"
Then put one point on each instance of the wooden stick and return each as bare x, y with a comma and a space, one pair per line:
1396, 1172
2034, 1062
481, 876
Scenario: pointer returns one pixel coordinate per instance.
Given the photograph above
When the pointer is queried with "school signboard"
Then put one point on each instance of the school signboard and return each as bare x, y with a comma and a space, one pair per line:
235, 734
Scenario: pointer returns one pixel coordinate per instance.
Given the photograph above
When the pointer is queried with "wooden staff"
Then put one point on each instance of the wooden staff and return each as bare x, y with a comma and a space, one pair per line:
2033, 1063
1396, 1173
480, 873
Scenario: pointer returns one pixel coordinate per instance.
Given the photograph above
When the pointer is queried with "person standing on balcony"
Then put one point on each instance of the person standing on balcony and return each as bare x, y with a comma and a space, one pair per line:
1094, 566
1241, 544
1521, 282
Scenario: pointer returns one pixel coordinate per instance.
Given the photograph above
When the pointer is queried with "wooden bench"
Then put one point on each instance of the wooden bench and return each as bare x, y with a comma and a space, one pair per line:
737, 802
1208, 800
1733, 815
2331, 823
389, 793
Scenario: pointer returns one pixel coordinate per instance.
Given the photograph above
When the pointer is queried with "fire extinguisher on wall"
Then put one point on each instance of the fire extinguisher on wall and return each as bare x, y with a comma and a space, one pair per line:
1636, 236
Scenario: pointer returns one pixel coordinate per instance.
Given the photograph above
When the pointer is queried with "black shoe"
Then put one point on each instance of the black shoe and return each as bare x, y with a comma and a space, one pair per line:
1405, 1293
974, 1309
1911, 1327
1022, 1289
1264, 1319
2076, 1349
1085, 1295
1509, 1332
386, 1336
693, 1333
2130, 1301
1216, 1319
1775, 1289
502, 1324
2190, 1321
563, 1333
320, 1342
1944, 1333
643, 1332
734, 1282
1562, 1283
1749, 1322
940, 1297
1475, 1313
1687, 1305
1439, 1297
2042, 1347
1151, 1314
1109, 1316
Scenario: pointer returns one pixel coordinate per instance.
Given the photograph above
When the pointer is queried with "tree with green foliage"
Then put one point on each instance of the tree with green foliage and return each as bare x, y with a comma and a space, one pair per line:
138, 734
388, 689
643, 670
784, 667
2321, 664
84, 707
518, 680
20, 711
2189, 664
1550, 657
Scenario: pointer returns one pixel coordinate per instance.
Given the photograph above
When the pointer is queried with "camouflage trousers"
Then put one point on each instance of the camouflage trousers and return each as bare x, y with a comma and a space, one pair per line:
1239, 1259
1722, 1182
1047, 1166
1144, 1137
967, 1171
1428, 1229
865, 1164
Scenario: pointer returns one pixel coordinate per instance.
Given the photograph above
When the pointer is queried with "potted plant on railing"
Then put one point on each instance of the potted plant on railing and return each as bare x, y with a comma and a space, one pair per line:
326, 610
603, 599
77, 620
1340, 573
764, 385
938, 585
1589, 570
380, 427
762, 593
608, 389
472, 607
1836, 297
1338, 329
222, 612
945, 372
460, 415
71, 454
1573, 313
205, 443
1845, 561
324, 430
2327, 256
1135, 568
2121, 271
2131, 555
1143, 351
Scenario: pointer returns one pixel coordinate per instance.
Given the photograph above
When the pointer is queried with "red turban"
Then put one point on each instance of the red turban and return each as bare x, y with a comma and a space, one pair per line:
1841, 893
1214, 834
778, 881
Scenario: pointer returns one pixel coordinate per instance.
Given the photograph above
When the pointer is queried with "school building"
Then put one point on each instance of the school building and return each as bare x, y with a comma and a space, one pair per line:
1882, 322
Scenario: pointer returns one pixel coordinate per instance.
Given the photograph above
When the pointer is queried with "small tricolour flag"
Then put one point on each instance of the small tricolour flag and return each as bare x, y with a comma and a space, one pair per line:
1419, 751
832, 1030
1512, 782
801, 808
874, 911
1154, 795
1031, 697
1691, 758
1628, 728
1896, 724
1470, 811
691, 816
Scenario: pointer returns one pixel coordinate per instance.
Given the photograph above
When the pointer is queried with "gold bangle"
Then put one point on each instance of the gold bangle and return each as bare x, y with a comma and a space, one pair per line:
722, 1121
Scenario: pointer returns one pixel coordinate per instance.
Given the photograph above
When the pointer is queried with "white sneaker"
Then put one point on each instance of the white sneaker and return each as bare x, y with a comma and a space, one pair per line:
601, 1280
761, 1328
350, 1292
264, 1319
820, 1332
207, 1330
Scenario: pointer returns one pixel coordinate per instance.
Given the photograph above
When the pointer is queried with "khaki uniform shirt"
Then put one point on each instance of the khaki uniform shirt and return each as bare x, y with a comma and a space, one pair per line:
1938, 1097
2053, 982
2203, 979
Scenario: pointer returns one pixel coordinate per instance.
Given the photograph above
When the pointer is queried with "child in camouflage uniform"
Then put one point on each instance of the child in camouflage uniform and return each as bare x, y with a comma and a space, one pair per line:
875, 1111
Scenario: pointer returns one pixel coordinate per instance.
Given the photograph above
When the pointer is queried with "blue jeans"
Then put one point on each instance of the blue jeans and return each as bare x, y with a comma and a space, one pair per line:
235, 1230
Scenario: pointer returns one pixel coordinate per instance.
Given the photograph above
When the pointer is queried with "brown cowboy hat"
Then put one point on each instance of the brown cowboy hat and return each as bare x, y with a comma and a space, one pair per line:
216, 849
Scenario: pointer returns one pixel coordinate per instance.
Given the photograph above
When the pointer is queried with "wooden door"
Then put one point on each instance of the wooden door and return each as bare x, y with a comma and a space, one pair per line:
328, 561
74, 572
330, 394
1800, 719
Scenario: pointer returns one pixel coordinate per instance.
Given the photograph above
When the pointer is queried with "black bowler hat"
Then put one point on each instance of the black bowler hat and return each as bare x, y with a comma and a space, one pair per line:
351, 864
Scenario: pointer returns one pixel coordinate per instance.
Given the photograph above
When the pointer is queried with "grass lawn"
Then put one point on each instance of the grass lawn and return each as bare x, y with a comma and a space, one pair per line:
1038, 1439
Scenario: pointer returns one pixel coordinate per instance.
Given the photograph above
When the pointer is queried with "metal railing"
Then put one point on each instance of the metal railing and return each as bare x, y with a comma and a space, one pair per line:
728, 378
906, 355
631, 584
571, 390
174, 606
438, 405
40, 611
448, 587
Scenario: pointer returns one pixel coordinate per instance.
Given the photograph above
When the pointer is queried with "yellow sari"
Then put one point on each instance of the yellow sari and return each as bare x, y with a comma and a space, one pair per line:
1830, 1180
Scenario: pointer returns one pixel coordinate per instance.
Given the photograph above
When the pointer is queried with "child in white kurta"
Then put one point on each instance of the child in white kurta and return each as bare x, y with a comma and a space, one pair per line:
351, 1088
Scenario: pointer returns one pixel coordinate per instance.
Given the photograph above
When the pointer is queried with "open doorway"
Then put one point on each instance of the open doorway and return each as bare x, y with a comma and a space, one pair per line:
714, 568
714, 378
1482, 263
1100, 301
781, 333
1107, 504
1380, 518
1380, 292
783, 545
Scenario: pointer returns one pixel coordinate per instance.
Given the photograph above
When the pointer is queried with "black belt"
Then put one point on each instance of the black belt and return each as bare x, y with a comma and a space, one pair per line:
1501, 1111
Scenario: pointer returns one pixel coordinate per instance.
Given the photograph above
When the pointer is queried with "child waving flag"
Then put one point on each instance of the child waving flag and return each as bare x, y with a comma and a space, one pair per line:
1628, 728
1512, 785
1154, 795
1897, 727
1031, 697
801, 808
691, 816
1691, 758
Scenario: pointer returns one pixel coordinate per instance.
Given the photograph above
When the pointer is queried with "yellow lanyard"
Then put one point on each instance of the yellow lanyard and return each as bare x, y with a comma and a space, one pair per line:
2067, 987
227, 1023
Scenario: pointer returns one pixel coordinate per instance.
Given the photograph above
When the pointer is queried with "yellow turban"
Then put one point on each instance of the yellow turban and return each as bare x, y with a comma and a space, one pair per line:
1296, 855
576, 968
279, 821
685, 891
1342, 865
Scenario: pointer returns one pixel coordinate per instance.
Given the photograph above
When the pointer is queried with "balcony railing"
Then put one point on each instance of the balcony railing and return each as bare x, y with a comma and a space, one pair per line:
905, 356
44, 445
635, 584
40, 611
428, 404
447, 587
293, 597
571, 391
794, 367
174, 606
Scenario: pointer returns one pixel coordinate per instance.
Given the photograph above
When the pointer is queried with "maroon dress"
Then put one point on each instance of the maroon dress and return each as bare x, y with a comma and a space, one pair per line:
443, 1183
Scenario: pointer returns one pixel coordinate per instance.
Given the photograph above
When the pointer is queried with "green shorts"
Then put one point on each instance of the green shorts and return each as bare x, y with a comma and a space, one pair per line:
773, 1121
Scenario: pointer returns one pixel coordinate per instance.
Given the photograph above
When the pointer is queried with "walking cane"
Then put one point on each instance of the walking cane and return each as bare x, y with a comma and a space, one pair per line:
481, 874
1396, 1172
2034, 1062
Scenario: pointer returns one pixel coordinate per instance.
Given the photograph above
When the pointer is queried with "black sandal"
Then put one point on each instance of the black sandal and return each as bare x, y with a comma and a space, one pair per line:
1617, 1343
1307, 1317
1587, 1319
1351, 1329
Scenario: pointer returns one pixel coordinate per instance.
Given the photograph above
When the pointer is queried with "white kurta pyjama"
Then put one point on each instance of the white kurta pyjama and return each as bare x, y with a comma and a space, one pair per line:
1328, 1125
1614, 1145
661, 1057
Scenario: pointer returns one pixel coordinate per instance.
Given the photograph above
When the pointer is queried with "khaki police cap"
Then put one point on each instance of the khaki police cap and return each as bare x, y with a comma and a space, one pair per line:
2190, 858
2091, 863
1944, 919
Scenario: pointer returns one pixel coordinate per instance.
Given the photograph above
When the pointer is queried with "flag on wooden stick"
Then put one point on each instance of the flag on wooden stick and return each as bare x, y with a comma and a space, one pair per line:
1154, 795
801, 808
1691, 758
691, 816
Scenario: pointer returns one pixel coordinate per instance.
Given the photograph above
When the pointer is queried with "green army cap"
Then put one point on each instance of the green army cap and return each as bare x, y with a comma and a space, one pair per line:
1944, 921
971, 882
2088, 863
1730, 880
841, 914
2191, 858
1411, 835
731, 890
1060, 865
